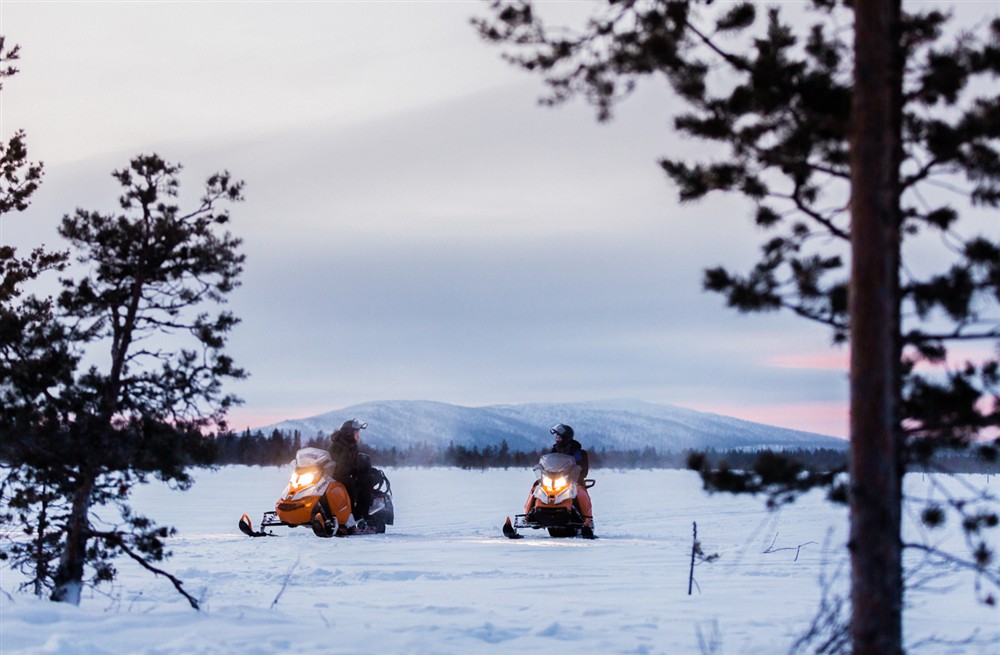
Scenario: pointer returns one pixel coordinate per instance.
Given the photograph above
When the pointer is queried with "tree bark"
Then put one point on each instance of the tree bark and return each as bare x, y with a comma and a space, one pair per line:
68, 577
876, 471
41, 562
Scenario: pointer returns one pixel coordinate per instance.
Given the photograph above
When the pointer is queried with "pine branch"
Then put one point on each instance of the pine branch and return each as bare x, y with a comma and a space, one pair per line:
117, 539
992, 576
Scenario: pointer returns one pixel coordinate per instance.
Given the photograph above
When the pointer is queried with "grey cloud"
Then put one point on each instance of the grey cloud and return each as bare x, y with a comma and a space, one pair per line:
478, 249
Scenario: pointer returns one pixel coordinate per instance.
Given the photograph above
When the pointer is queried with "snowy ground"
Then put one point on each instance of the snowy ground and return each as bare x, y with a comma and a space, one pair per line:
444, 580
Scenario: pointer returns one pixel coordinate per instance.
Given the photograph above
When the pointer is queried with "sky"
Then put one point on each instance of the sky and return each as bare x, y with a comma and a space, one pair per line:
416, 225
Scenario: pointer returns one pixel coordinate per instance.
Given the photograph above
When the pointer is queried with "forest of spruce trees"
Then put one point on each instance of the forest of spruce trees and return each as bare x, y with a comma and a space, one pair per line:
279, 448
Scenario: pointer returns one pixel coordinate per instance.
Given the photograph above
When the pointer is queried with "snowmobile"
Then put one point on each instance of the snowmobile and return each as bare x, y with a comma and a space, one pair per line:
552, 504
314, 498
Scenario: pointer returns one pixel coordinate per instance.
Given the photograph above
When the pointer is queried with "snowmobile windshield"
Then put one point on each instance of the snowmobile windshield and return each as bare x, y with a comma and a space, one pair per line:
556, 463
307, 457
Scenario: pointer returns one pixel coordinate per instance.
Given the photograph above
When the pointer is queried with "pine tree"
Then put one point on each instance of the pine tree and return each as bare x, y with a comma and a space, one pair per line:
33, 358
86, 437
838, 146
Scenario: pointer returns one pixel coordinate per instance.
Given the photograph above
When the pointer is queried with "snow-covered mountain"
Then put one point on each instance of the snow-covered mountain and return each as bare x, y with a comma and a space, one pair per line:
614, 424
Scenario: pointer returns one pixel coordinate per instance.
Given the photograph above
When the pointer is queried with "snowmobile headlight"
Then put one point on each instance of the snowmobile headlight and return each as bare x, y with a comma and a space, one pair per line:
304, 479
553, 485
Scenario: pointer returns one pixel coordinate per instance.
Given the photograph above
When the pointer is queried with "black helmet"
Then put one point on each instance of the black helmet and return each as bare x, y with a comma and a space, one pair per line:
353, 424
561, 430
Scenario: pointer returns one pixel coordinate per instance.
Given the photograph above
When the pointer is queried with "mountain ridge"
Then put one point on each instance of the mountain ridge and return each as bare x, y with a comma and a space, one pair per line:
614, 424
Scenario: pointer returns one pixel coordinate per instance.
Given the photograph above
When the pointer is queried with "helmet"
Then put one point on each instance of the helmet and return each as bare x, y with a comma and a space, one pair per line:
353, 424
562, 431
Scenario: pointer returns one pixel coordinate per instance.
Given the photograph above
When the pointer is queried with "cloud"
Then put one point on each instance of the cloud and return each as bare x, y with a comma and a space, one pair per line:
831, 418
832, 360
416, 226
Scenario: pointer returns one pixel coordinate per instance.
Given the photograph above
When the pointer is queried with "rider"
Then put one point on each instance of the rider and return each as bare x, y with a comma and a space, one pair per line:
352, 468
567, 445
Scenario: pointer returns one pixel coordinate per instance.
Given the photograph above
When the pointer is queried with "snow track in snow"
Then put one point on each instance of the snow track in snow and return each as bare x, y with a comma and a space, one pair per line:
444, 580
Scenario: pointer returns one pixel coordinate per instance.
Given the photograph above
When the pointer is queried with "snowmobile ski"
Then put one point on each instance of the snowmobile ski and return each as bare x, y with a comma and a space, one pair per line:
246, 527
510, 532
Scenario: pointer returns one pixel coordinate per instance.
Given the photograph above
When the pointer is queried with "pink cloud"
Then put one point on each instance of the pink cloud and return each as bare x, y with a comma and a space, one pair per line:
241, 418
827, 361
959, 355
840, 360
829, 418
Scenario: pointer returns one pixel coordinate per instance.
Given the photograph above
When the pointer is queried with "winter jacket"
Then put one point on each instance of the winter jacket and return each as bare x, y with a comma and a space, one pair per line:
573, 448
343, 451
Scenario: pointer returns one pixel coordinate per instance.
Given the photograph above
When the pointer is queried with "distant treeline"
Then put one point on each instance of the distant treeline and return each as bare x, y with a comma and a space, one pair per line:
278, 449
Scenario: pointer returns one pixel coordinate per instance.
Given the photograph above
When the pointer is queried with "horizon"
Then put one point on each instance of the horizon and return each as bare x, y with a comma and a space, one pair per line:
607, 404
802, 417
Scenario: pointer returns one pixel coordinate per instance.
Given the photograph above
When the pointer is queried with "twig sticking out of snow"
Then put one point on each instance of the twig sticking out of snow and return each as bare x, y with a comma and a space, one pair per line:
694, 548
797, 549
697, 554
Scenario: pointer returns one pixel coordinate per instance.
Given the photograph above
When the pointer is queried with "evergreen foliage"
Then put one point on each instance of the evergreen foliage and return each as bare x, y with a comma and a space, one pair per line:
33, 354
77, 440
19, 178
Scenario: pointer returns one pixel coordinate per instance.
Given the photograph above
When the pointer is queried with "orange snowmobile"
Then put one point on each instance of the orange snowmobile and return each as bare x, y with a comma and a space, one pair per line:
552, 504
314, 498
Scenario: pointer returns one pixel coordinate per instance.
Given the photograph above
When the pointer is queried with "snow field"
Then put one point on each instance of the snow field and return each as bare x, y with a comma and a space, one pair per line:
444, 579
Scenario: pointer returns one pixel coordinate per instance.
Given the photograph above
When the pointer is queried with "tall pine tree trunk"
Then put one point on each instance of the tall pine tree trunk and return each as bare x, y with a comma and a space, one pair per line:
68, 577
41, 554
876, 472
